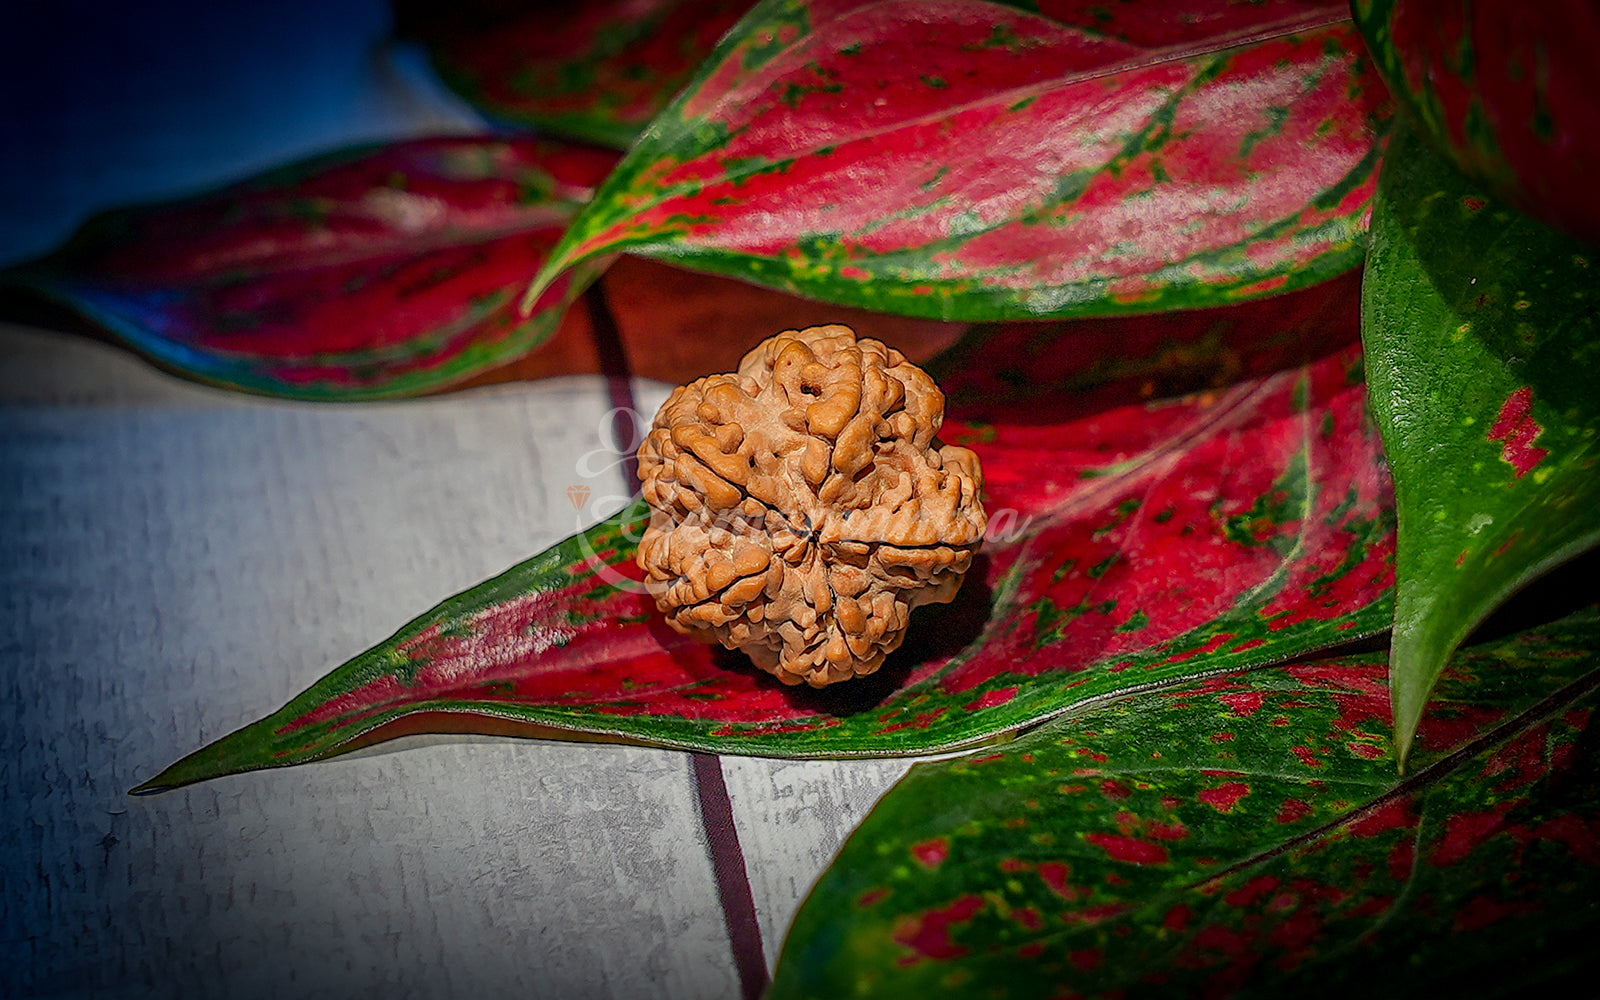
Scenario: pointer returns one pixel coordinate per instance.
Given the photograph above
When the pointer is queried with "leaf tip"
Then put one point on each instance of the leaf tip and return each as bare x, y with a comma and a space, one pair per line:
165, 780
1402, 752
1406, 719
555, 265
1411, 679
534, 292
232, 754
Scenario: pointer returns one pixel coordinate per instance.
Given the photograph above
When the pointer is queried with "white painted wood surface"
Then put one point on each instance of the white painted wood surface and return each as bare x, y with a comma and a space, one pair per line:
177, 561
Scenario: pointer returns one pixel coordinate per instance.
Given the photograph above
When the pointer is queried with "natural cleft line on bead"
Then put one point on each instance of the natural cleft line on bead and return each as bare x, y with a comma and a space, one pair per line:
803, 505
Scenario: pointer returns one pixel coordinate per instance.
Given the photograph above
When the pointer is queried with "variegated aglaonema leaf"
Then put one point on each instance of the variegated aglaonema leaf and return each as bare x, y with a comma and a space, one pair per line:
594, 70
1482, 327
1243, 835
1506, 91
965, 160
1134, 544
376, 272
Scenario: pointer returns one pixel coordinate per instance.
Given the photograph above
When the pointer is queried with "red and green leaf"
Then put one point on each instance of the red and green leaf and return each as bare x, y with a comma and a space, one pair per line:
1482, 327
966, 160
1245, 834
370, 273
1131, 545
593, 71
1506, 91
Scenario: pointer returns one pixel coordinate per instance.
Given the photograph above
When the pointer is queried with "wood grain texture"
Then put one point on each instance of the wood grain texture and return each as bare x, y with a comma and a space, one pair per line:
177, 562
792, 817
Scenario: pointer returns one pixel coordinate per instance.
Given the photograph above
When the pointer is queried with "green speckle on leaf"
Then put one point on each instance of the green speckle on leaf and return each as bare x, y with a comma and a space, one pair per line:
1138, 621
1103, 567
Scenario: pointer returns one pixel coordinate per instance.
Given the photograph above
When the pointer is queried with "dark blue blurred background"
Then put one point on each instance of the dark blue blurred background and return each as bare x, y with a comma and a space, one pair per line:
108, 103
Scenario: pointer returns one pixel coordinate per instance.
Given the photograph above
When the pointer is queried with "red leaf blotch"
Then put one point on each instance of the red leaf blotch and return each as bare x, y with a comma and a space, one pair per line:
1465, 833
1293, 810
1055, 874
1224, 797
1296, 934
1243, 703
1580, 836
1394, 814
1402, 860
1087, 959
1517, 428
929, 936
1129, 849
1167, 831
1483, 911
1253, 891
990, 699
1307, 756
1226, 940
931, 853
1178, 917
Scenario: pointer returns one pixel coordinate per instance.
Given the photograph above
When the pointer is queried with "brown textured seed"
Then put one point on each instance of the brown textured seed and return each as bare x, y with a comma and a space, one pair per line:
803, 505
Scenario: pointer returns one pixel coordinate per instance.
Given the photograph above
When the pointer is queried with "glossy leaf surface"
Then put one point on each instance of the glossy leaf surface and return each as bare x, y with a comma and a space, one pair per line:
381, 272
1483, 337
964, 160
1135, 543
594, 71
1244, 835
1507, 91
